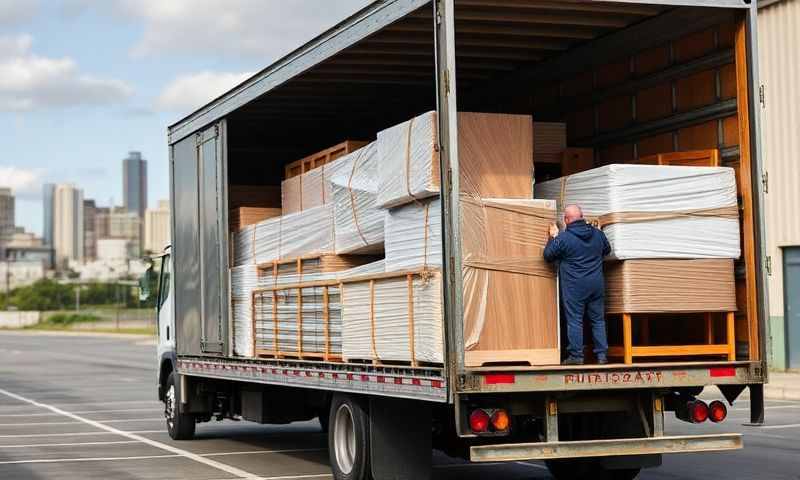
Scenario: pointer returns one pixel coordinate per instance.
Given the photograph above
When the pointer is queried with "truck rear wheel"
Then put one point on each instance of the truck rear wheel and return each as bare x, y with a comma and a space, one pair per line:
180, 426
348, 439
587, 469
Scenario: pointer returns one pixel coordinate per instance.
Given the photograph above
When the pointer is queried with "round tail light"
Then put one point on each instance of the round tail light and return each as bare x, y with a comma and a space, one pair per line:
500, 420
479, 421
717, 411
698, 411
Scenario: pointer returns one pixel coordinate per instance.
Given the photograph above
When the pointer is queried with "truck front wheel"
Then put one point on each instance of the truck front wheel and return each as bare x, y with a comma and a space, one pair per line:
179, 425
348, 439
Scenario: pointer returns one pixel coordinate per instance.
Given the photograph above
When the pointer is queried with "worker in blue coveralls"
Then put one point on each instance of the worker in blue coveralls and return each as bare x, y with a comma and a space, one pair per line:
580, 249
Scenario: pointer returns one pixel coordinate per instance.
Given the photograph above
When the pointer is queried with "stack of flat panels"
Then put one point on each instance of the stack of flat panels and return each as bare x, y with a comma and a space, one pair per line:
304, 319
495, 158
241, 217
309, 190
670, 286
550, 140
414, 236
357, 217
394, 319
650, 211
310, 232
510, 293
243, 280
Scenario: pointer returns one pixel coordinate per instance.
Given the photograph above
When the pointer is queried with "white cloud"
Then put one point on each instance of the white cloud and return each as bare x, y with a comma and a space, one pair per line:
188, 92
29, 81
24, 182
253, 28
14, 12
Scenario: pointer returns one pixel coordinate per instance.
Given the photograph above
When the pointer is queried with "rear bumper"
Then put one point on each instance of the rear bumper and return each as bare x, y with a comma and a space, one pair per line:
605, 448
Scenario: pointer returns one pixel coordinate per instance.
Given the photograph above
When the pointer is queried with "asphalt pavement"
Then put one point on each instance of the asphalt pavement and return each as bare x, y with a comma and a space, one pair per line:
83, 407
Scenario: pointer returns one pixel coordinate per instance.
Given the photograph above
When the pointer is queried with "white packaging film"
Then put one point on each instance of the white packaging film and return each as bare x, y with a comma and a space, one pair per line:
702, 200
310, 232
358, 219
377, 324
408, 161
243, 280
311, 189
414, 236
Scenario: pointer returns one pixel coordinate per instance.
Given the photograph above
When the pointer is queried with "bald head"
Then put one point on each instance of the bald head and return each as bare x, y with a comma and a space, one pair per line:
572, 213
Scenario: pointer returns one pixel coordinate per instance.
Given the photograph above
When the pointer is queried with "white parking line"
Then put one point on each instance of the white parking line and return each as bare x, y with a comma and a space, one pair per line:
121, 420
151, 457
73, 434
237, 472
77, 444
122, 410
778, 427
534, 465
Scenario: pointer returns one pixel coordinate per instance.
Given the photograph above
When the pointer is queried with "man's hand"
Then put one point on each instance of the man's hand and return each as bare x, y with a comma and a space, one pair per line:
553, 230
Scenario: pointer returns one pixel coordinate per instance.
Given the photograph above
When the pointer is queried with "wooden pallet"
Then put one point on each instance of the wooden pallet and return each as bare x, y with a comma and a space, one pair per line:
628, 351
693, 158
322, 157
315, 264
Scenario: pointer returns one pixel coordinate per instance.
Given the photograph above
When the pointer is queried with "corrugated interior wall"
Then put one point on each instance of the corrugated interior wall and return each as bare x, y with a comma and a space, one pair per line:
679, 96
779, 59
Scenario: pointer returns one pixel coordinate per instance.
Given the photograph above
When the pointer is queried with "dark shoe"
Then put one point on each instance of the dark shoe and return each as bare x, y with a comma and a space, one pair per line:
602, 360
572, 361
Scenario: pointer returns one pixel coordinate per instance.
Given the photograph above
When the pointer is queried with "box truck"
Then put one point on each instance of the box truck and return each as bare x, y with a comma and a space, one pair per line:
629, 79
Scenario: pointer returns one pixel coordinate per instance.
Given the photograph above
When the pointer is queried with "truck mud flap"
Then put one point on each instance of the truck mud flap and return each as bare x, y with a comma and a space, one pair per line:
605, 448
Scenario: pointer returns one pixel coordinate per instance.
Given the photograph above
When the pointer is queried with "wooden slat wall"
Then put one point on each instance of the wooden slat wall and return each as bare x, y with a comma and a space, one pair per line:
588, 122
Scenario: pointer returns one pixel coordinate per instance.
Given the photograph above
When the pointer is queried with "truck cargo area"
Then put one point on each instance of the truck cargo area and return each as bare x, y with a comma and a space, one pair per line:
442, 306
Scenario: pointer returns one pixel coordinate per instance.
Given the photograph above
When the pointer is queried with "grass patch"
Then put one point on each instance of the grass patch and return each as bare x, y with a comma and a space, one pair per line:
67, 319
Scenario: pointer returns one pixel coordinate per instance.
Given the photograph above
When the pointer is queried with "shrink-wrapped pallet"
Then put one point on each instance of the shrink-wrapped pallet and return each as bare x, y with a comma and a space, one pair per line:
310, 232
495, 157
510, 292
396, 319
357, 217
650, 211
305, 320
243, 280
414, 236
670, 286
311, 189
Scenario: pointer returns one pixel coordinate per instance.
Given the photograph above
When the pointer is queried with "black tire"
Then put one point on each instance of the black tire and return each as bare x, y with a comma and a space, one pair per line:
349, 418
587, 469
180, 426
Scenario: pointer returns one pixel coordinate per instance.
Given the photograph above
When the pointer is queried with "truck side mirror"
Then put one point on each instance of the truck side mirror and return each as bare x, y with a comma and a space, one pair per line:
145, 281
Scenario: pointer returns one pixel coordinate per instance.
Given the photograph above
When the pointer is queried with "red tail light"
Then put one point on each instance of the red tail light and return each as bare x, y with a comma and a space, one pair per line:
698, 411
717, 411
479, 421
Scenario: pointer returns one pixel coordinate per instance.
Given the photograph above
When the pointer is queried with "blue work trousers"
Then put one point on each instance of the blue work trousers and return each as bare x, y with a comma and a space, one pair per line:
593, 308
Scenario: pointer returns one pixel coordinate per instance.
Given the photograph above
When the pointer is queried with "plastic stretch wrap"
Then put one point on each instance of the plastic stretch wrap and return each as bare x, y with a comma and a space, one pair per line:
368, 269
409, 161
495, 157
664, 286
510, 294
309, 190
414, 236
243, 280
358, 219
310, 232
377, 321
650, 211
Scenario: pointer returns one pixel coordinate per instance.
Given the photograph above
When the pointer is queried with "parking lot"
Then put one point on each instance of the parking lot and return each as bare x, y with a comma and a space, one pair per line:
83, 407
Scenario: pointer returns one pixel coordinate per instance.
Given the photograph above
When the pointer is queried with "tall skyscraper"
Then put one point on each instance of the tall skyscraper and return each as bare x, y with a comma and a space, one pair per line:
89, 234
47, 202
156, 227
134, 183
68, 223
6, 212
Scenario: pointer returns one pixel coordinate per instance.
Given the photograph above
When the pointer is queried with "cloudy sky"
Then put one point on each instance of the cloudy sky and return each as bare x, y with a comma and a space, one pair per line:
82, 82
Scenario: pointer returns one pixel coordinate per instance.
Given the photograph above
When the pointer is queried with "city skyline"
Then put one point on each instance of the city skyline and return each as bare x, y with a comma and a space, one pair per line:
74, 108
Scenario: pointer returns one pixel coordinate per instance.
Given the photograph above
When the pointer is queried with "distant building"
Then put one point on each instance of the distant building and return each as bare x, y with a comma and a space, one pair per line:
156, 227
6, 212
21, 273
114, 249
48, 192
67, 223
89, 226
134, 183
127, 225
101, 222
21, 238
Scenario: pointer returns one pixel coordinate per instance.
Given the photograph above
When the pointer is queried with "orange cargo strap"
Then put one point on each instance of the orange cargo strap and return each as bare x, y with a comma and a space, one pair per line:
372, 319
411, 330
